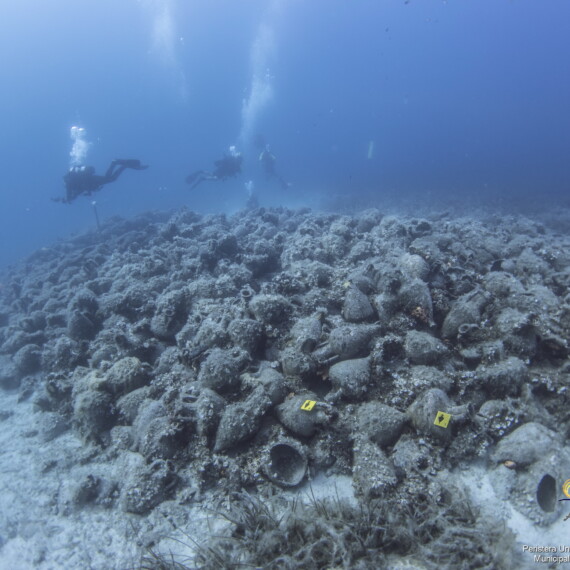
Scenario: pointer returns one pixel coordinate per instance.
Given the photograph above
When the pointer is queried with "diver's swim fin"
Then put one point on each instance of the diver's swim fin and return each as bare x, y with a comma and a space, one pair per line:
131, 163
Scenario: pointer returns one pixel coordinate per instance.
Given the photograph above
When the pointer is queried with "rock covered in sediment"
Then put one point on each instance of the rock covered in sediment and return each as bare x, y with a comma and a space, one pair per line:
128, 405
424, 411
82, 320
147, 486
209, 407
81, 326
127, 375
357, 307
528, 443
170, 314
297, 363
270, 309
306, 333
246, 333
350, 340
350, 378
301, 421
28, 359
420, 378
503, 378
423, 348
93, 414
465, 310
220, 370
9, 374
373, 472
242, 420
382, 424
414, 298
413, 266
160, 438
273, 383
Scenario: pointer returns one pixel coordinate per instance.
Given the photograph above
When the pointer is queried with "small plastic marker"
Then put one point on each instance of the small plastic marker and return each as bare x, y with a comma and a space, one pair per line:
308, 405
442, 419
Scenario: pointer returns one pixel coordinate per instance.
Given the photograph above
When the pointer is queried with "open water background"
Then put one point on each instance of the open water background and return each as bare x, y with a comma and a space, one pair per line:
462, 99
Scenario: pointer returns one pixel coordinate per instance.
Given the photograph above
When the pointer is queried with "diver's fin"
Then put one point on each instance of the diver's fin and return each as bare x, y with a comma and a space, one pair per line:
131, 163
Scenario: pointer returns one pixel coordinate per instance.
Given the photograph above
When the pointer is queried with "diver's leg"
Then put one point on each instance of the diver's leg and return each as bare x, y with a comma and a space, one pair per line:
280, 180
118, 166
111, 170
114, 171
284, 184
201, 176
198, 177
133, 163
192, 177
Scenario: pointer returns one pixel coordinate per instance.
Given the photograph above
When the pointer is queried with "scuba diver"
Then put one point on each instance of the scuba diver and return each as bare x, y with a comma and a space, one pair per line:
83, 180
267, 160
226, 167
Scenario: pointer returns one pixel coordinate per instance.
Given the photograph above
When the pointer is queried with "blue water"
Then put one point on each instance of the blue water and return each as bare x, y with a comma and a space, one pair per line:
455, 99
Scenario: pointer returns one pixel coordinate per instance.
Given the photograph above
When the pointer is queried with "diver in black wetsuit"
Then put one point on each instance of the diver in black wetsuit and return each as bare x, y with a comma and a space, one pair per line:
226, 167
83, 180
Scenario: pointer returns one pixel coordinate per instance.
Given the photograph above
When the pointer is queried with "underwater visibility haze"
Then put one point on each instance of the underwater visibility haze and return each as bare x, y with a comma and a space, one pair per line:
381, 98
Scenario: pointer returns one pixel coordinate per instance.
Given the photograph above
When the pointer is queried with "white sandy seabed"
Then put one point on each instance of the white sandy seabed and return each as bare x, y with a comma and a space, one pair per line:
40, 529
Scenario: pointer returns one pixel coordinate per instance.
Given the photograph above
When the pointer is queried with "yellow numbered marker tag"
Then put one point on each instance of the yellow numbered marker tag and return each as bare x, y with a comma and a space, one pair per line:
442, 419
308, 405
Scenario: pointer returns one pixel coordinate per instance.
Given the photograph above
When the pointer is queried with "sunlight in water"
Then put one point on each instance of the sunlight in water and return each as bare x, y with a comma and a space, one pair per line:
164, 40
261, 88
